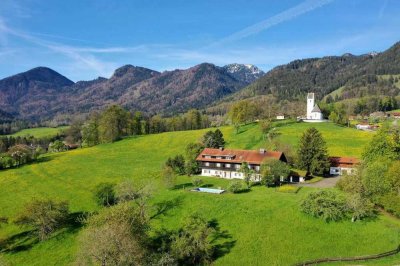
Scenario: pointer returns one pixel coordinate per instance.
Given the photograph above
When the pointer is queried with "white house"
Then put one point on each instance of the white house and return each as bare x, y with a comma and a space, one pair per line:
226, 163
280, 117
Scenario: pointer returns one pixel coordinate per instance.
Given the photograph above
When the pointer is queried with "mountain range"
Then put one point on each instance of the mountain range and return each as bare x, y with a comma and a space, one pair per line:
355, 77
42, 94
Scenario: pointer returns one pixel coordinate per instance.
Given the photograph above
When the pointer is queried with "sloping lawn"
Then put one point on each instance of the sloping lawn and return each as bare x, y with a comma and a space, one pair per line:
39, 132
341, 141
262, 227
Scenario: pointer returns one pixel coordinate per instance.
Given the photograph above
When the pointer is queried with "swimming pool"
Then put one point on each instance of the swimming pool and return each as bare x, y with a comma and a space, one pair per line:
209, 190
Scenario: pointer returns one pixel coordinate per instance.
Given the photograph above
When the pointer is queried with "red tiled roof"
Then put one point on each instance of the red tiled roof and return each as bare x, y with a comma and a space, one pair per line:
238, 156
343, 161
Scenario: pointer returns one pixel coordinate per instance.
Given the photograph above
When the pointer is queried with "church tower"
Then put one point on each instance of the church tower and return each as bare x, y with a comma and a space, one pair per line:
310, 104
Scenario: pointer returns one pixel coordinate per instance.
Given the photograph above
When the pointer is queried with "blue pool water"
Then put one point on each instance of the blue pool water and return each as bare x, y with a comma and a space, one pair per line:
209, 190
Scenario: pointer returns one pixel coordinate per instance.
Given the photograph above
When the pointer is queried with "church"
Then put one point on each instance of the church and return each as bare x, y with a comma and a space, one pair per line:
314, 114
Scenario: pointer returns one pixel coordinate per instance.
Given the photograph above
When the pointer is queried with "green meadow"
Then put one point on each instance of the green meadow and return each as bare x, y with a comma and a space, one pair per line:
341, 141
261, 227
39, 132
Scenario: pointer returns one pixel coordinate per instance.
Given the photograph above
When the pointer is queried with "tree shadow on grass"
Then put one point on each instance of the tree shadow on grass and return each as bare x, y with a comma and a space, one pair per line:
19, 242
207, 185
163, 207
182, 186
222, 241
26, 240
242, 191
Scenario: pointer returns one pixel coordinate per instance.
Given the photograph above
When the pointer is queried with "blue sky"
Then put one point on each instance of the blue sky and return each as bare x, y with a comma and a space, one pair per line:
86, 39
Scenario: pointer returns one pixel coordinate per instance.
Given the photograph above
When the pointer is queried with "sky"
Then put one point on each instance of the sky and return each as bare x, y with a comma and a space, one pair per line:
84, 39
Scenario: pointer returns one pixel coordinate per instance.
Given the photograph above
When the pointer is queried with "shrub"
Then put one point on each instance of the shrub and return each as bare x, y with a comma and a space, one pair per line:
105, 194
197, 181
177, 164
360, 207
169, 177
272, 170
350, 184
391, 203
325, 204
237, 186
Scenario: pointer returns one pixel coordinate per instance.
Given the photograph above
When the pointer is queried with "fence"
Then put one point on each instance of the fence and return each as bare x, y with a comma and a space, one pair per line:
367, 257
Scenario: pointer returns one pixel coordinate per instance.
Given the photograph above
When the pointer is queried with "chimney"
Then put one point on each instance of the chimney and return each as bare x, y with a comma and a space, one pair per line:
262, 151
221, 148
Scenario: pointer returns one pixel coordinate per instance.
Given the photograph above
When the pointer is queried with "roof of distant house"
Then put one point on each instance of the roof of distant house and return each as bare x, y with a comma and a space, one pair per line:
344, 161
239, 156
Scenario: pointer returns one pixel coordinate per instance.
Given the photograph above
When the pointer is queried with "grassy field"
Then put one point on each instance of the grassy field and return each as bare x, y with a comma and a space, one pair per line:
39, 132
262, 227
341, 141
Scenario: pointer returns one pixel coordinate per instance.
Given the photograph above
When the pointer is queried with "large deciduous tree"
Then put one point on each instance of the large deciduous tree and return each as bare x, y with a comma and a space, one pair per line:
242, 112
191, 153
115, 236
313, 153
192, 245
45, 216
213, 139
113, 124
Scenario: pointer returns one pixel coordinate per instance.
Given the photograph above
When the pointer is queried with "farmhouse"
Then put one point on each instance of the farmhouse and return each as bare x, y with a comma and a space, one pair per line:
343, 165
226, 163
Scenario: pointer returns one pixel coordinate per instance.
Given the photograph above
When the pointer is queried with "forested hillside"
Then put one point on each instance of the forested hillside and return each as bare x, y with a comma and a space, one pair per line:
356, 76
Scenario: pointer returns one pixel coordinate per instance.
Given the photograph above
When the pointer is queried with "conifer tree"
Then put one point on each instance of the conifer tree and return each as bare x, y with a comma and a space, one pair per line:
312, 152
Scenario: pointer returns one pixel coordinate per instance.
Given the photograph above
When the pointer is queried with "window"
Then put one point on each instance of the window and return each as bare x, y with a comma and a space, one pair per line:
218, 164
207, 157
228, 165
257, 168
207, 164
237, 166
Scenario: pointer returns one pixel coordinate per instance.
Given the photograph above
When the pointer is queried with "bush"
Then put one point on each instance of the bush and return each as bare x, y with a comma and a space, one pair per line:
105, 194
169, 176
237, 186
350, 184
197, 181
272, 170
177, 164
391, 203
325, 204
360, 207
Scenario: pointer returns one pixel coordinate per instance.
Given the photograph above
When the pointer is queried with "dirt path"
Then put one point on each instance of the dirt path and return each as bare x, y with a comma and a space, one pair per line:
327, 182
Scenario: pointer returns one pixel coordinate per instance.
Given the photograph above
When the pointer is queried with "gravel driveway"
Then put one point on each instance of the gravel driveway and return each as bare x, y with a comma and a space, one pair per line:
324, 183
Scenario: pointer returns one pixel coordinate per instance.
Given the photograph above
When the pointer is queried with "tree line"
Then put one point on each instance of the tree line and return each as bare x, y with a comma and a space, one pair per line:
115, 123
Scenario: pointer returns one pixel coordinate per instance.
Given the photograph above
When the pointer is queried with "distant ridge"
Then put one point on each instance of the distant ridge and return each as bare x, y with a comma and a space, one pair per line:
42, 93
